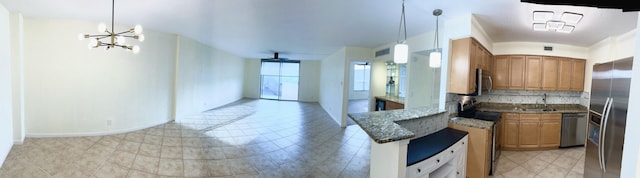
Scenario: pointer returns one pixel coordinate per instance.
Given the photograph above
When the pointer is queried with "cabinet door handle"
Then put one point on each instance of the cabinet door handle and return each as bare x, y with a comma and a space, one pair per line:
419, 170
451, 151
438, 160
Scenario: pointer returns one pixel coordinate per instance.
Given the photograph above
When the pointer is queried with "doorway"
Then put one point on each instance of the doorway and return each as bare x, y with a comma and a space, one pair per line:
360, 78
279, 80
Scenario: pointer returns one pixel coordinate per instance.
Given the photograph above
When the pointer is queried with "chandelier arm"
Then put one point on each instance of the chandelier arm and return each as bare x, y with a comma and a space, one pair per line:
124, 32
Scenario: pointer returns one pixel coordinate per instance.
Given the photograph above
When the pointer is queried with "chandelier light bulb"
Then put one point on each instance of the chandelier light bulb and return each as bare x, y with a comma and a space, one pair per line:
135, 49
80, 36
89, 46
120, 40
137, 29
102, 27
141, 37
93, 42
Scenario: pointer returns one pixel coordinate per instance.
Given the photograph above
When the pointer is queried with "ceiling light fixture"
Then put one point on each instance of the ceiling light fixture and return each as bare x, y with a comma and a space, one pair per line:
114, 39
401, 49
436, 55
543, 21
571, 17
542, 15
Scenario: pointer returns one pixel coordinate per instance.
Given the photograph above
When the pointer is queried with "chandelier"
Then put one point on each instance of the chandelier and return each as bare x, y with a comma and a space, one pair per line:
113, 39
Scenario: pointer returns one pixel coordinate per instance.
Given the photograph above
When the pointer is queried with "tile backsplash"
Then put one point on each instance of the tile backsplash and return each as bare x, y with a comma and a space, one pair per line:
533, 97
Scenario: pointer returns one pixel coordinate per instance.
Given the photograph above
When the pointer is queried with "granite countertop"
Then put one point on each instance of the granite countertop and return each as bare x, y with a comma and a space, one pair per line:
470, 122
392, 98
382, 127
518, 108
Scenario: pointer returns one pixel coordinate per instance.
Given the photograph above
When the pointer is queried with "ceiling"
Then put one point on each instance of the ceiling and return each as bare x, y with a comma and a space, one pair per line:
314, 29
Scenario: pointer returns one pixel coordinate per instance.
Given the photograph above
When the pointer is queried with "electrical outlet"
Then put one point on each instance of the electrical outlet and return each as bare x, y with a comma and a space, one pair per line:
109, 122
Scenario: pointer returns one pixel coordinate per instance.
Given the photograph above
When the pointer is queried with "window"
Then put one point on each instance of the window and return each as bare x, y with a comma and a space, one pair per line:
279, 80
361, 76
402, 81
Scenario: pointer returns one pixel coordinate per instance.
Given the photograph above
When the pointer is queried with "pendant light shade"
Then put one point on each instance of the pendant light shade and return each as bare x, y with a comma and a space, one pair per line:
434, 59
436, 56
401, 50
400, 53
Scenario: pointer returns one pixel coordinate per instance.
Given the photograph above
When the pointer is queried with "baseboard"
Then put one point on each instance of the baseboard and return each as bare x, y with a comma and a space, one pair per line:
89, 134
18, 142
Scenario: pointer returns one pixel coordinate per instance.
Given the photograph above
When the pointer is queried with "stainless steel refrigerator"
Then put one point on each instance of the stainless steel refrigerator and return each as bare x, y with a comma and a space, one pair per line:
607, 118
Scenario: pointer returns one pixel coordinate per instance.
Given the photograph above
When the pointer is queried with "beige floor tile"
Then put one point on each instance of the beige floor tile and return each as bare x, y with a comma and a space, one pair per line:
196, 168
504, 165
219, 168
554, 171
122, 158
565, 162
171, 152
574, 174
111, 170
193, 153
146, 164
152, 139
519, 172
548, 156
128, 146
139, 174
150, 150
535, 165
171, 167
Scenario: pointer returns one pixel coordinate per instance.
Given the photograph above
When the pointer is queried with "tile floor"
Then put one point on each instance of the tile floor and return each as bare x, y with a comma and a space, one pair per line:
566, 162
249, 138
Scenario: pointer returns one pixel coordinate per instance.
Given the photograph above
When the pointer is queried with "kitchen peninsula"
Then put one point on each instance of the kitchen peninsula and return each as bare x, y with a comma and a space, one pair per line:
395, 131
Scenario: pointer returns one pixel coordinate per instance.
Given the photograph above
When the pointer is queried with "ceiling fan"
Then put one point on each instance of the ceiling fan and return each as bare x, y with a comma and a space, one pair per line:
276, 57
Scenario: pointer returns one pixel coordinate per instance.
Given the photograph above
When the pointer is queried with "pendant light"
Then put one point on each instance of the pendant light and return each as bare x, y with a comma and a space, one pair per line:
401, 50
113, 39
436, 55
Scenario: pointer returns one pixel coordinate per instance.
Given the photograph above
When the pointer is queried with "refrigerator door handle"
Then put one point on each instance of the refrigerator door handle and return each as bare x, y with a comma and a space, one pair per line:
603, 130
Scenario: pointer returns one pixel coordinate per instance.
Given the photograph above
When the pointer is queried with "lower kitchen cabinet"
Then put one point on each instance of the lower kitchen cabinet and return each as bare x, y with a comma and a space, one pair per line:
478, 157
529, 131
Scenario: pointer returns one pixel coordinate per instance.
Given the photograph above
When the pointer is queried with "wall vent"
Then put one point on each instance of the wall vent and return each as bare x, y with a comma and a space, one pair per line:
383, 52
548, 48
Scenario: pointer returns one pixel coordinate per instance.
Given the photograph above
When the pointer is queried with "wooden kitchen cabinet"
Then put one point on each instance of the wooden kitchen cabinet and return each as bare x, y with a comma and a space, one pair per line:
550, 130
577, 79
529, 131
478, 151
550, 73
533, 73
510, 130
517, 72
467, 55
501, 72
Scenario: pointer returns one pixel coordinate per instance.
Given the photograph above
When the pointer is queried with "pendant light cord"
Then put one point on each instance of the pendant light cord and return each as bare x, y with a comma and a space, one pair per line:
436, 40
403, 23
113, 7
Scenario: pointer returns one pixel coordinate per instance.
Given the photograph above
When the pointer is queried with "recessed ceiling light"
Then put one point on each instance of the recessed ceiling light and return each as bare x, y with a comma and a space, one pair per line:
554, 24
542, 15
571, 17
566, 29
540, 27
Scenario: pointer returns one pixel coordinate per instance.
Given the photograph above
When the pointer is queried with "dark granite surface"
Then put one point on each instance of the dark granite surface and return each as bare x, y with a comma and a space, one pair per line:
521, 108
382, 127
470, 122
423, 148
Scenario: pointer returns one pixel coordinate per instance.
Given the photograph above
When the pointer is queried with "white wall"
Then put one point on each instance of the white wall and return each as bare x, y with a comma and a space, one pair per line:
631, 149
72, 90
17, 76
206, 78
6, 124
609, 49
251, 87
332, 78
309, 81
535, 48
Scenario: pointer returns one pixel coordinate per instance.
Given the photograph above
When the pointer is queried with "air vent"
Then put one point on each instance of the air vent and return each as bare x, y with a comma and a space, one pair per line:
382, 52
548, 48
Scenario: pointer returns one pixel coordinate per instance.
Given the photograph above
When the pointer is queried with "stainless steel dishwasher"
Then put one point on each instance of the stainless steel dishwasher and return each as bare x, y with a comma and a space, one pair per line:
574, 129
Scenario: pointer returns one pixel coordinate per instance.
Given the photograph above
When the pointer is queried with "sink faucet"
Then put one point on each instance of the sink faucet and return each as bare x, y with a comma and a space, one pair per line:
544, 99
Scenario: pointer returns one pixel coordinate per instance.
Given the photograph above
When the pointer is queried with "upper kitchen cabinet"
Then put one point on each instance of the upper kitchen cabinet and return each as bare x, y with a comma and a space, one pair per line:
533, 73
518, 72
550, 75
467, 56
571, 74
501, 65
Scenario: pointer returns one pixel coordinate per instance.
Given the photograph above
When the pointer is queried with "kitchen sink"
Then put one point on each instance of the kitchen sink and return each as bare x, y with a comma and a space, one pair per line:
538, 109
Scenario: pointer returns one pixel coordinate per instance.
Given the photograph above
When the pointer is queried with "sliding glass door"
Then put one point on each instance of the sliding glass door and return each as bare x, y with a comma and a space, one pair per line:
279, 80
